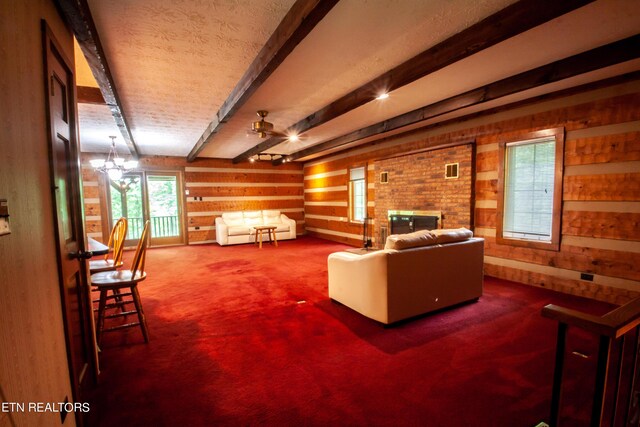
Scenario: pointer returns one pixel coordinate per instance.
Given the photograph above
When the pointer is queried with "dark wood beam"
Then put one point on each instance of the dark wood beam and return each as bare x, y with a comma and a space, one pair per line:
303, 16
509, 22
604, 56
78, 15
611, 81
90, 95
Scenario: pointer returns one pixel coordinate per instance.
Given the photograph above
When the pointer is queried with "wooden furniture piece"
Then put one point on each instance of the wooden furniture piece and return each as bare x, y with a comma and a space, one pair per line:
97, 248
617, 383
117, 280
113, 258
271, 231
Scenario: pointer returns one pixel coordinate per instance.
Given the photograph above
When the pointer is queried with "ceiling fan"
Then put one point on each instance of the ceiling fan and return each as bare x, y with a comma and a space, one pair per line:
263, 127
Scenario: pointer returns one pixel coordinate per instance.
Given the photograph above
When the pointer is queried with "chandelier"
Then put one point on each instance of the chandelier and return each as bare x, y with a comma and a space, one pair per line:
114, 166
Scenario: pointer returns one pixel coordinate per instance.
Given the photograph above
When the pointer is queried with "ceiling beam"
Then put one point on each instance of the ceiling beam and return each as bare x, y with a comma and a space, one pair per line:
604, 56
508, 22
303, 16
78, 15
89, 95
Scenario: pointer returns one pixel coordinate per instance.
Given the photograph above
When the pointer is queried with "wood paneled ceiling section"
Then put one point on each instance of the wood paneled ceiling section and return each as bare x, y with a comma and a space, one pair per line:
175, 63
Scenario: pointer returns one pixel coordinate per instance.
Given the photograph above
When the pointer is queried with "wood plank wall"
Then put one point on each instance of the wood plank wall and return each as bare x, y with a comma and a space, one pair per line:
601, 197
326, 195
215, 186
33, 354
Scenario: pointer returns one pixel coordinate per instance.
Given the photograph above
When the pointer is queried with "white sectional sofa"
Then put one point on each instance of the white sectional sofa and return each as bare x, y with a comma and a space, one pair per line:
416, 273
234, 228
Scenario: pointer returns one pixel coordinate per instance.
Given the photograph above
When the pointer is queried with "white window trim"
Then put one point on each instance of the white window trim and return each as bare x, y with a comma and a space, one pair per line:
501, 237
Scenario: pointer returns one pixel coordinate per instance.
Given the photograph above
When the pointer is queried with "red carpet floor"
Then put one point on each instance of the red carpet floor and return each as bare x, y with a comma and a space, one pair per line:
241, 336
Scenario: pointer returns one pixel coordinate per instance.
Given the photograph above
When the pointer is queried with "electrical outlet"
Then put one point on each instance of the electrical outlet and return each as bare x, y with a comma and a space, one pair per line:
586, 276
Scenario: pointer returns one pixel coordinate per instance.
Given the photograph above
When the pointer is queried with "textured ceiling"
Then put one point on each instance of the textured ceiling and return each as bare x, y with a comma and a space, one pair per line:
356, 42
175, 62
584, 29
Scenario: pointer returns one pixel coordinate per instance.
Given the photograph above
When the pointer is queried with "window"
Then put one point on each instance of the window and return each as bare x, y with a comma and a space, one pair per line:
530, 190
357, 194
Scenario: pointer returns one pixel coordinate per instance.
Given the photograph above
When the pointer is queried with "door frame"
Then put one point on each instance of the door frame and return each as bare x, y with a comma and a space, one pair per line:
52, 49
157, 241
166, 241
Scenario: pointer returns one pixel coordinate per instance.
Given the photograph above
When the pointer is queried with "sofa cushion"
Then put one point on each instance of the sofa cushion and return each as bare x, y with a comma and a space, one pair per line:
271, 217
238, 230
410, 240
252, 218
451, 235
233, 218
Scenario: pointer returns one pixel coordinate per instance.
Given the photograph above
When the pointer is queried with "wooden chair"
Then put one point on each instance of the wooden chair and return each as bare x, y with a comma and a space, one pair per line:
112, 259
117, 280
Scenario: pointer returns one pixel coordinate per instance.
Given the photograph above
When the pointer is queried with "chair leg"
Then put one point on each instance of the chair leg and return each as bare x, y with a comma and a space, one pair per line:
141, 317
118, 299
101, 308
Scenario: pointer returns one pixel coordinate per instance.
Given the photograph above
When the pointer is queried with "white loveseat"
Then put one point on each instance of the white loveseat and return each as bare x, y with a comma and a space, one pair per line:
416, 273
233, 228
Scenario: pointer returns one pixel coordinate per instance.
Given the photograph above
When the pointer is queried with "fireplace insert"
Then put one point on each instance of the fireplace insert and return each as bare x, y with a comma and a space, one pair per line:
401, 224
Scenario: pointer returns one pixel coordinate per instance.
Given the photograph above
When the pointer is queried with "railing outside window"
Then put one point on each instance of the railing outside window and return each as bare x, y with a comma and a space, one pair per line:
161, 226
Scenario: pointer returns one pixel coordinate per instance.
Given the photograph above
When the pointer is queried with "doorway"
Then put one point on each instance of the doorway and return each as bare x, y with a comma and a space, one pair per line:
64, 156
153, 196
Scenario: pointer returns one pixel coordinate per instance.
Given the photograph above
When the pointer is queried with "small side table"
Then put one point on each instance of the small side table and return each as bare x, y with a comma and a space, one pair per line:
270, 229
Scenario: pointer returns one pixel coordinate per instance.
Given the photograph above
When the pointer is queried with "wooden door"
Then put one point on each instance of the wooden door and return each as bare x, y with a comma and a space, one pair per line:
163, 207
67, 213
154, 196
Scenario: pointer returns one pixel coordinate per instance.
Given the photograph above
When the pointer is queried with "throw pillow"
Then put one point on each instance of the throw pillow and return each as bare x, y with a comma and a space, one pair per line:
451, 235
410, 240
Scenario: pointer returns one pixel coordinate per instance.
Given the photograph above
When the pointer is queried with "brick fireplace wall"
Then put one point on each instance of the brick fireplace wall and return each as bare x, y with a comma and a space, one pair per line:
417, 182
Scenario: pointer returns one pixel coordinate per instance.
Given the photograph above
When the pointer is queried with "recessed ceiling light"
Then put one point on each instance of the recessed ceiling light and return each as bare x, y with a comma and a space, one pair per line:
294, 138
382, 96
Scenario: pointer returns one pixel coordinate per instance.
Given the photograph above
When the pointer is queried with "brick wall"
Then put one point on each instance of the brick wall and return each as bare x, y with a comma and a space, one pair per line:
417, 182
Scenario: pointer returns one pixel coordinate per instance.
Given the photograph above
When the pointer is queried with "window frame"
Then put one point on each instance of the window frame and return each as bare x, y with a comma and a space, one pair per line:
352, 193
556, 217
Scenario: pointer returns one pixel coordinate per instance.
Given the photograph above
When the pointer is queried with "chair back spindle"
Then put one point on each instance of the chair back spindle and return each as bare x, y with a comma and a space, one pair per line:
137, 264
117, 238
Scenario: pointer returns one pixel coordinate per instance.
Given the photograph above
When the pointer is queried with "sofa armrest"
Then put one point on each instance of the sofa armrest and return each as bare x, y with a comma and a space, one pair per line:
222, 234
292, 225
360, 282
